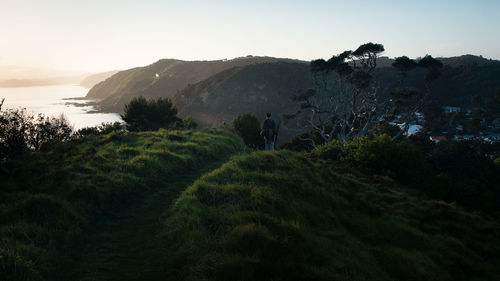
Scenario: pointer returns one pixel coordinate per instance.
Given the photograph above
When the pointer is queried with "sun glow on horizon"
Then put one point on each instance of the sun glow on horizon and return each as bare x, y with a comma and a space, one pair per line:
93, 36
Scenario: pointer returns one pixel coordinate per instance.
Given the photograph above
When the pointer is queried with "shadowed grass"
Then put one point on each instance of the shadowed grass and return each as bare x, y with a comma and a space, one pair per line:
280, 216
50, 201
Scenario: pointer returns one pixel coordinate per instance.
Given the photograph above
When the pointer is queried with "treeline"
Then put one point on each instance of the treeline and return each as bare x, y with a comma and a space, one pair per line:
461, 172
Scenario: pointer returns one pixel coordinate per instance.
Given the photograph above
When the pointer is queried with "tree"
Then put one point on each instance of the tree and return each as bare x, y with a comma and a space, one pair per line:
408, 101
150, 115
344, 102
248, 127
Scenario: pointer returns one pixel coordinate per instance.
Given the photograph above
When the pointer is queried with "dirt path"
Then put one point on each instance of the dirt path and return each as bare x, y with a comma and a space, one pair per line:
125, 248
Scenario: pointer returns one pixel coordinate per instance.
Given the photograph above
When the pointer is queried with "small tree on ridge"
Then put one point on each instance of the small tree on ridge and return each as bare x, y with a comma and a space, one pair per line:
150, 115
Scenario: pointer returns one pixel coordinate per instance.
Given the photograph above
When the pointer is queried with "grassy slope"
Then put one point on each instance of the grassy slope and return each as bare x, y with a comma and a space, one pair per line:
279, 216
50, 201
126, 248
261, 216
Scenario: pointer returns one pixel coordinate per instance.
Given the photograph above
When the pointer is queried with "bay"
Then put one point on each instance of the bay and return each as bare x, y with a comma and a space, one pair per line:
49, 100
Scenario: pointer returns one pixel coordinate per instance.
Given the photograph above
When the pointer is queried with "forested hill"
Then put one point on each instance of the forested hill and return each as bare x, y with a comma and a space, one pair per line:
269, 87
461, 79
163, 78
216, 91
257, 88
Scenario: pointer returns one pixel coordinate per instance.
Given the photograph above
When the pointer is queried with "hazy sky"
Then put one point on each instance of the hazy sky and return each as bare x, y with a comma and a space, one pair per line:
107, 34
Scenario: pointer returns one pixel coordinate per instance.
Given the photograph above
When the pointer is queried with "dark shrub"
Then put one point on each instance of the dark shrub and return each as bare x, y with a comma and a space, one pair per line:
150, 115
187, 123
303, 142
466, 175
103, 129
21, 131
381, 155
248, 127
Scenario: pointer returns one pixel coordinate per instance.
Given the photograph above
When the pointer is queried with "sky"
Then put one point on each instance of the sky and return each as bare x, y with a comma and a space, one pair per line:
93, 36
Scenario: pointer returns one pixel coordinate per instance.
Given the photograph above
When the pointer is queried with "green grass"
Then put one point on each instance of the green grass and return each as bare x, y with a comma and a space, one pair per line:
281, 216
51, 201
134, 207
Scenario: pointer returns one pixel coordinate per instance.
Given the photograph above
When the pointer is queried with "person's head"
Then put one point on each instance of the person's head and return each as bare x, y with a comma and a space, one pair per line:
268, 115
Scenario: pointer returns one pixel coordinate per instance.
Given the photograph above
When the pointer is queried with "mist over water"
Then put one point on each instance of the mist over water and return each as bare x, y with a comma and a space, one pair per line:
49, 100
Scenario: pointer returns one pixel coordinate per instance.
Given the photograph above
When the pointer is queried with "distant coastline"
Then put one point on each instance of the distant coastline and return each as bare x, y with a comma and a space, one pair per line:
86, 81
25, 83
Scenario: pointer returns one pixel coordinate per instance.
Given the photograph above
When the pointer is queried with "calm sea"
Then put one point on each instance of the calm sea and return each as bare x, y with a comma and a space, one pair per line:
49, 100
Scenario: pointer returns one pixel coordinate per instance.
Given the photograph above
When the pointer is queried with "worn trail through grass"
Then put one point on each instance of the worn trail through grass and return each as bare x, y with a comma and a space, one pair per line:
126, 247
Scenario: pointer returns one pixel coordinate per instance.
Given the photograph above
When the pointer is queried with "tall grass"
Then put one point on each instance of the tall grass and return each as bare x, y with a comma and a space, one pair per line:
280, 216
50, 200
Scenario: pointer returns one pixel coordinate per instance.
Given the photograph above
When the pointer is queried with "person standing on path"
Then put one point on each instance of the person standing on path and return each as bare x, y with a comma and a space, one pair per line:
269, 131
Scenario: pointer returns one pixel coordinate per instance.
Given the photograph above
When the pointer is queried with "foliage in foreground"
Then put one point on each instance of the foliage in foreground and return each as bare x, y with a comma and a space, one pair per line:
49, 201
451, 171
21, 131
280, 216
103, 129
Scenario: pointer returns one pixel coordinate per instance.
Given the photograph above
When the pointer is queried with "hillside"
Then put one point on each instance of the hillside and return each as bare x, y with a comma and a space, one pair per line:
53, 203
91, 80
214, 92
173, 76
269, 87
461, 78
170, 205
256, 88
280, 216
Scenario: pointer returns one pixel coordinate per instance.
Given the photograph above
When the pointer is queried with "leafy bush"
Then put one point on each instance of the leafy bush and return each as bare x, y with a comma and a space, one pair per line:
452, 171
103, 129
248, 127
187, 123
381, 155
21, 131
150, 115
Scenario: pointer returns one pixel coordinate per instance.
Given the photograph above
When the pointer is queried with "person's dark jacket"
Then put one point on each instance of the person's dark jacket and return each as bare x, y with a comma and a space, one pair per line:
268, 129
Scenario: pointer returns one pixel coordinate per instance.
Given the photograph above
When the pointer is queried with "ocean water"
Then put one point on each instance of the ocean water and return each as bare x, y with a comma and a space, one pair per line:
49, 100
